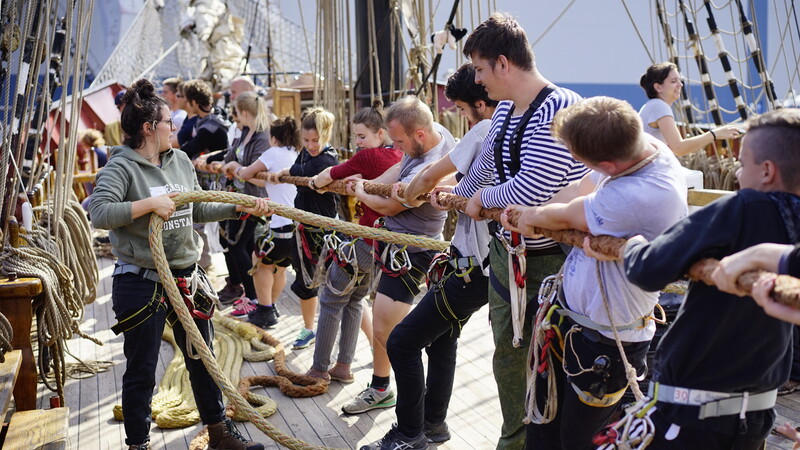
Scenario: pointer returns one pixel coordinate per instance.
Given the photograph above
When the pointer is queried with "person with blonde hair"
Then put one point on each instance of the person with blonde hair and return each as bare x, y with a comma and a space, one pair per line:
316, 130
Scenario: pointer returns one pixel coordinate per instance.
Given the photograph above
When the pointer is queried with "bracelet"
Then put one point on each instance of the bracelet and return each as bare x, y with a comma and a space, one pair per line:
713, 135
313, 184
406, 205
236, 172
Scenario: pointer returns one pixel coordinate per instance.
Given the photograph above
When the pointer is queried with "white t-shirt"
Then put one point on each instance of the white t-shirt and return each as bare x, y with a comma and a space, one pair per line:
471, 237
234, 133
276, 159
654, 109
646, 202
178, 116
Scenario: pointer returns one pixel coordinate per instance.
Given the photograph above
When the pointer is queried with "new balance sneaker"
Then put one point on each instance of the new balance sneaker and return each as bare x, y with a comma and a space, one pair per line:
395, 440
304, 339
230, 292
436, 432
243, 306
263, 316
369, 399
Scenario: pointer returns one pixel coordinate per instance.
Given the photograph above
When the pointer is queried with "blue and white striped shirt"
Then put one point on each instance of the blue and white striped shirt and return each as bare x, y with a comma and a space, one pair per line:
546, 166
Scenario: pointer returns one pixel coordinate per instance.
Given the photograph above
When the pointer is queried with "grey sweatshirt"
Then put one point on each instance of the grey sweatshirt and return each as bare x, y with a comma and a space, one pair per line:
128, 177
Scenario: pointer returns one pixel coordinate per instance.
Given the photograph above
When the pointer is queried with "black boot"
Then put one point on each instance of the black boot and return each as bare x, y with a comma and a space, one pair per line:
225, 436
263, 316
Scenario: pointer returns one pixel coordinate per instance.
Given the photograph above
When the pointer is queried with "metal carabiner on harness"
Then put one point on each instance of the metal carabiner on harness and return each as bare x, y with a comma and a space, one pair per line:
346, 252
436, 269
265, 240
399, 260
549, 288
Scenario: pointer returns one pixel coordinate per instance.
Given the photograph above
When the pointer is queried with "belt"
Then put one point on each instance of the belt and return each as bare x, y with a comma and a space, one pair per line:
584, 321
147, 274
711, 403
288, 235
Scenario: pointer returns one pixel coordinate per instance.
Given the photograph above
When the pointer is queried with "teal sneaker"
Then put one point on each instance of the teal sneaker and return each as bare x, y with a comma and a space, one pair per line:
304, 339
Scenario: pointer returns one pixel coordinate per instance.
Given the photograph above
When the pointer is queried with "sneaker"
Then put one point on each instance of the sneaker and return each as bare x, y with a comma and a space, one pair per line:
229, 293
436, 432
243, 306
262, 316
145, 446
225, 436
395, 440
304, 339
369, 399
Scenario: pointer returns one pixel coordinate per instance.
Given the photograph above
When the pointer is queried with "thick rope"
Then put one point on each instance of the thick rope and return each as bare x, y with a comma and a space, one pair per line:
193, 335
787, 289
6, 335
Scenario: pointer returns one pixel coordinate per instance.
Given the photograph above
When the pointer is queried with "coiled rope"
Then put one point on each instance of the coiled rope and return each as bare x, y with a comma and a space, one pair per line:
6, 335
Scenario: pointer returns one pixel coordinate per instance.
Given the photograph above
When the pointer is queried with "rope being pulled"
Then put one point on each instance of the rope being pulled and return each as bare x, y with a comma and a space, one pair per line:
193, 334
787, 289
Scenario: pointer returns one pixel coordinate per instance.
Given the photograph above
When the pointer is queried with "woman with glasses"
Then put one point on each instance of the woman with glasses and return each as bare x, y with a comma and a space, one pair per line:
141, 178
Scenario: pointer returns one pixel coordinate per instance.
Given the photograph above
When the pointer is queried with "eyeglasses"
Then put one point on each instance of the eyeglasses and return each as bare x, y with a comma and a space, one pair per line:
179, 95
171, 123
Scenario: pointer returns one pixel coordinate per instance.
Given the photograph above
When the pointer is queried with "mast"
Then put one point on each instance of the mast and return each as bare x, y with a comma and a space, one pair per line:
388, 55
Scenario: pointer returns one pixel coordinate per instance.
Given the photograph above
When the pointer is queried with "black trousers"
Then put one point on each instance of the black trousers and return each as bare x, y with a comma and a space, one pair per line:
238, 255
141, 347
435, 325
576, 423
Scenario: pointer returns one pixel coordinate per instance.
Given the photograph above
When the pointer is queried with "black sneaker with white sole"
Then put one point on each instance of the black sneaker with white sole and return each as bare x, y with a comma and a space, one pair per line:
395, 440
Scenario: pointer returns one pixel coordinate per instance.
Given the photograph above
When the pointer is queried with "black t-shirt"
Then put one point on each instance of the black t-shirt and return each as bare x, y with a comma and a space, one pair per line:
308, 199
718, 342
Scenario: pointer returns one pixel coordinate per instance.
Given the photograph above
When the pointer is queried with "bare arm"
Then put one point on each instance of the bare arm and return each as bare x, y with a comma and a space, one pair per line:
556, 216
427, 178
681, 146
761, 256
383, 205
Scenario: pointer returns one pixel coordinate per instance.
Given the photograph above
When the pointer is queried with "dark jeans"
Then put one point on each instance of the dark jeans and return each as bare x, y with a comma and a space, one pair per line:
141, 347
431, 326
238, 255
576, 422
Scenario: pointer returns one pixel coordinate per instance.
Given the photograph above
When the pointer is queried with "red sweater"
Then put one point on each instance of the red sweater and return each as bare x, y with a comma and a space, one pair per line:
370, 163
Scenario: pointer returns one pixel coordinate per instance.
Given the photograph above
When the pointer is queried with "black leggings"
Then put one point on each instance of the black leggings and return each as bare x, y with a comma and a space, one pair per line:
238, 251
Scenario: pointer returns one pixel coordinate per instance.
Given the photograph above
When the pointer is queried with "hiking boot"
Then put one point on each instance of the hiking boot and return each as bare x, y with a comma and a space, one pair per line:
145, 446
341, 372
312, 372
225, 436
304, 339
262, 316
369, 399
230, 293
395, 440
436, 432
243, 306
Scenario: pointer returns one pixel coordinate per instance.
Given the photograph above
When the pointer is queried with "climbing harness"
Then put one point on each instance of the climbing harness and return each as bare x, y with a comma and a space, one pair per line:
345, 256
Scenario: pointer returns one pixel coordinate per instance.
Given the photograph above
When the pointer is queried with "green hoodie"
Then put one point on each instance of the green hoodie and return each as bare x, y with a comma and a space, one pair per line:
128, 177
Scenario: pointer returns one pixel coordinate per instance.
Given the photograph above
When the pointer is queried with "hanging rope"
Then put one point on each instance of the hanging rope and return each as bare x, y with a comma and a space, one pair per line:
723, 59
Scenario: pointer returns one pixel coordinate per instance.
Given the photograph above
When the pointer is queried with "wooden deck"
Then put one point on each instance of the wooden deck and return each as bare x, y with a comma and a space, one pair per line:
474, 415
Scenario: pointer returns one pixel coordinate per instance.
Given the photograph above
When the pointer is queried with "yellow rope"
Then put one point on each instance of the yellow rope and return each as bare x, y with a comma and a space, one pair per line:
193, 334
